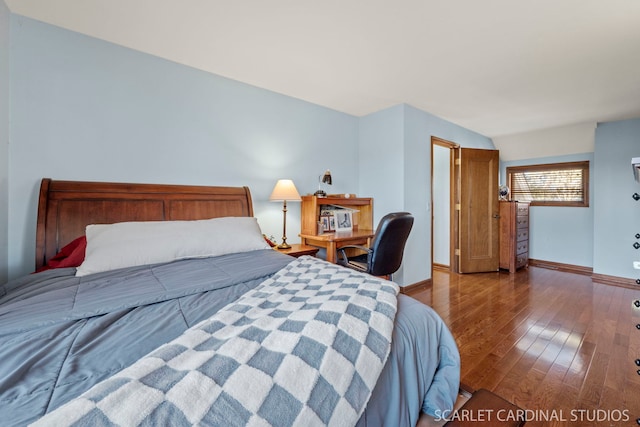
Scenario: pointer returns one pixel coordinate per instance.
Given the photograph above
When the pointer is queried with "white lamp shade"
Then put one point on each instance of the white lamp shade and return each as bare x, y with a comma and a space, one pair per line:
285, 189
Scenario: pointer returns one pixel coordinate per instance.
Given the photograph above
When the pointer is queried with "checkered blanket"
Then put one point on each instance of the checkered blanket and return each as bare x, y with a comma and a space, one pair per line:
305, 347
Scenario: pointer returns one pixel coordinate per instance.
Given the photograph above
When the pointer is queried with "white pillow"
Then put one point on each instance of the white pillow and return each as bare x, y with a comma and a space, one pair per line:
126, 244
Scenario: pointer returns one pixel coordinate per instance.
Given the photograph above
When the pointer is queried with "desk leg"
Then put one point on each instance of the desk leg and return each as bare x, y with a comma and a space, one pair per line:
331, 252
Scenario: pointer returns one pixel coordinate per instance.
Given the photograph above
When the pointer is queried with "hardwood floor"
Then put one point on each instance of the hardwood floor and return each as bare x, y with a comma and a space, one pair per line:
553, 343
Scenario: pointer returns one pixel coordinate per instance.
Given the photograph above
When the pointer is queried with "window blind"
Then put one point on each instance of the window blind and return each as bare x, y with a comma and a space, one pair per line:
560, 184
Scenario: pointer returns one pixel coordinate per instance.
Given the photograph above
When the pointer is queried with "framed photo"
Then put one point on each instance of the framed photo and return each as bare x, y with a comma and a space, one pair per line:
343, 220
326, 222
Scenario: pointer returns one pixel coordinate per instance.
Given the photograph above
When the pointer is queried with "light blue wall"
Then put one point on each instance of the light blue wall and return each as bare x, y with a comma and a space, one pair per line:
381, 139
80, 108
406, 131
4, 139
420, 126
617, 214
89, 110
84, 109
561, 234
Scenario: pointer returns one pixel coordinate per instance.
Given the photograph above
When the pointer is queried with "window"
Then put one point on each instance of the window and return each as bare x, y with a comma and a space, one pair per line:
554, 184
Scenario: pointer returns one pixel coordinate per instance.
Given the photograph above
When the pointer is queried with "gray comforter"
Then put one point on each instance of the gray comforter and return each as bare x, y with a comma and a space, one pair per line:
60, 334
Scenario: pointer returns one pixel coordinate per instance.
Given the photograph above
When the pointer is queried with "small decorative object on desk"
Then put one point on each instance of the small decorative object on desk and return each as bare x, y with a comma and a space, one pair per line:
326, 222
320, 227
503, 192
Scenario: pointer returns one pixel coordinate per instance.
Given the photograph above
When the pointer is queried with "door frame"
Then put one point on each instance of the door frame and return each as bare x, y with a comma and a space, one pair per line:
453, 197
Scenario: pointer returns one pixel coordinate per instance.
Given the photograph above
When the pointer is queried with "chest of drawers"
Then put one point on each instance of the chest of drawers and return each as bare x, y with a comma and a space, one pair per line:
514, 235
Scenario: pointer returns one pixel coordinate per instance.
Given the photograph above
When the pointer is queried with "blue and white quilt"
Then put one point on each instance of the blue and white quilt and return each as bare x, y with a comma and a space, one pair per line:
306, 347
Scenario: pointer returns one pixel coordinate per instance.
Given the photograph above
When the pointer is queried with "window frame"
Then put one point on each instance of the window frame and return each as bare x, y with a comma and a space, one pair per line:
583, 165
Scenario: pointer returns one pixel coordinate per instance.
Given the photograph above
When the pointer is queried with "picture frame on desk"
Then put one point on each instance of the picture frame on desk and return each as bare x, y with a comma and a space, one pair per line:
343, 220
326, 222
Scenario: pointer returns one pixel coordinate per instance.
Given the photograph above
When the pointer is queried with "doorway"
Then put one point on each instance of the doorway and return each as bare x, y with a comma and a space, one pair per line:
464, 214
442, 203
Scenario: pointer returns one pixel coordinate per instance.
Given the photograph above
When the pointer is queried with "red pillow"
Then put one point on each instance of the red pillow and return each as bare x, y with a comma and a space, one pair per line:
269, 241
71, 255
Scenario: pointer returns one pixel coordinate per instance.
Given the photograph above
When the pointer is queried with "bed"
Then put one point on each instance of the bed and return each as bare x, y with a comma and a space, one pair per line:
69, 341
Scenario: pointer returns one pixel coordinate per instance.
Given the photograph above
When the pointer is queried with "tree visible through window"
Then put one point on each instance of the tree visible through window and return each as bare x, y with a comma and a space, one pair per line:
555, 184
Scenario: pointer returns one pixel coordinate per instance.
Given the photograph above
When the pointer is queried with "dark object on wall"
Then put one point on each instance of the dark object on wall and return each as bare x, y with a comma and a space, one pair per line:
636, 196
323, 179
387, 247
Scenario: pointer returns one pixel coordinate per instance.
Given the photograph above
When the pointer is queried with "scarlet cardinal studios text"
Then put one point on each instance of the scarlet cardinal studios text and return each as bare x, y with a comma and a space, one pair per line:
575, 415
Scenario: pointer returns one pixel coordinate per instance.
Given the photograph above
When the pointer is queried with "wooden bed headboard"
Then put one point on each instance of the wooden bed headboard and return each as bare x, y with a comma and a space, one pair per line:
65, 208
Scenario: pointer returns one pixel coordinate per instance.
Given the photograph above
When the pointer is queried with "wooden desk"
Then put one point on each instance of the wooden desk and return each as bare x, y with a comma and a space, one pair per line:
311, 206
334, 241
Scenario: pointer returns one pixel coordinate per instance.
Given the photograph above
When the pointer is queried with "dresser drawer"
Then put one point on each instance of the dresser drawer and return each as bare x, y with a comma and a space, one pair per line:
522, 234
522, 222
522, 260
522, 247
522, 209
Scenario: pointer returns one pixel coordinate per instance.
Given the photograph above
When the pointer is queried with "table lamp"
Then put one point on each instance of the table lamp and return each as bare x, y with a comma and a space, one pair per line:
284, 190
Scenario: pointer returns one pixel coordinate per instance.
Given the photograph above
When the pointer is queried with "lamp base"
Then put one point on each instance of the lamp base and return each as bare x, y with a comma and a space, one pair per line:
320, 193
284, 245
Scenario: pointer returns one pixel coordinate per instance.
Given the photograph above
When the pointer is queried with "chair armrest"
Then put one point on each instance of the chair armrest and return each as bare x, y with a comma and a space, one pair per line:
362, 248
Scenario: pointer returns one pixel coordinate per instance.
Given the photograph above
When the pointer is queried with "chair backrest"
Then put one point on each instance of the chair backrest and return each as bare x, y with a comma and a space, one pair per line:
388, 243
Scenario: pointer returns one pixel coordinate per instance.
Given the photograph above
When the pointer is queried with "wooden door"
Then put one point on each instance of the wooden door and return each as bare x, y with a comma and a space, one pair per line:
478, 212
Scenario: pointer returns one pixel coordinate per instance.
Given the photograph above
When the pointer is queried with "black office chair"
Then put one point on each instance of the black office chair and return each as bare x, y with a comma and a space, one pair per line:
384, 256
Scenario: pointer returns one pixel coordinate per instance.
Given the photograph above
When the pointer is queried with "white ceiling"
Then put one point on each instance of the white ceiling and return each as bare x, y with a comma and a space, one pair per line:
498, 67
